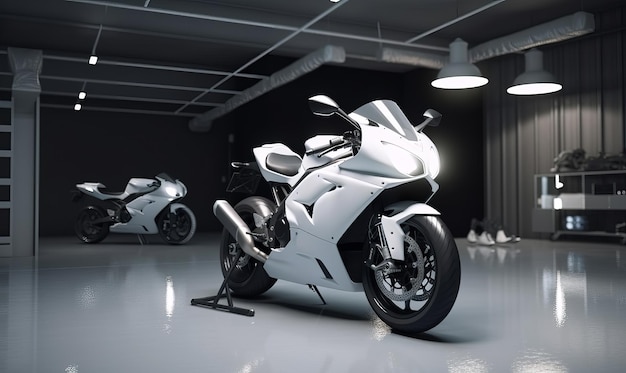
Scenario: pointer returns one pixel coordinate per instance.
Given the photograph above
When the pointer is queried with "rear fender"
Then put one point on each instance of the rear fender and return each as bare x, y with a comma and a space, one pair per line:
399, 213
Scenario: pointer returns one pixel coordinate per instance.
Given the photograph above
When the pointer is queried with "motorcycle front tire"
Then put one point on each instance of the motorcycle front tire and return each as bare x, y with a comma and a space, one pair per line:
249, 278
84, 226
398, 298
177, 224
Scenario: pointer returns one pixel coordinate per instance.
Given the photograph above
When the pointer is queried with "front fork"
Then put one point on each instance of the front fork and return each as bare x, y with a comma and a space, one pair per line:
390, 236
378, 243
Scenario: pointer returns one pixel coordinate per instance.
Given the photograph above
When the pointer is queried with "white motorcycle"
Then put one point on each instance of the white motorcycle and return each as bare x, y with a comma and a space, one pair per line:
146, 206
351, 214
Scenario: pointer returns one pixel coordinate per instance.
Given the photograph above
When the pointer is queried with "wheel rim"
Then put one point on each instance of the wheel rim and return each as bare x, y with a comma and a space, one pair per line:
406, 289
177, 226
88, 228
85, 228
183, 224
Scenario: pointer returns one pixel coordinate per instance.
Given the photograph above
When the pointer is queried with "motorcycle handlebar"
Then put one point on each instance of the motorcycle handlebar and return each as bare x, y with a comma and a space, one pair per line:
333, 142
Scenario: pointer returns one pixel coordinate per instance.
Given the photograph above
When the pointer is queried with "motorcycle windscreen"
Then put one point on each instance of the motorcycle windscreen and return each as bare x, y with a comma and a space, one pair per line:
388, 114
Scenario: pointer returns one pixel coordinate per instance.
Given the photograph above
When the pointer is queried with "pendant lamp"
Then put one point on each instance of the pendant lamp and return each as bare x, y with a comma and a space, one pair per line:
459, 73
534, 80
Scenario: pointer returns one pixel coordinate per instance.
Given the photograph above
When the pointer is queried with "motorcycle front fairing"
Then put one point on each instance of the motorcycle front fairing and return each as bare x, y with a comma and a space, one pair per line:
328, 200
146, 207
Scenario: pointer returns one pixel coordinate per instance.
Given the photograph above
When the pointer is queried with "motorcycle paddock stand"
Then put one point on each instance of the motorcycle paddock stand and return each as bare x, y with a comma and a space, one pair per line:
224, 291
142, 239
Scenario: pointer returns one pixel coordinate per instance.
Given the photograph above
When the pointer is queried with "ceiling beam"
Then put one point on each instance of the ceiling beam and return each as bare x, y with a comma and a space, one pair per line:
275, 26
272, 48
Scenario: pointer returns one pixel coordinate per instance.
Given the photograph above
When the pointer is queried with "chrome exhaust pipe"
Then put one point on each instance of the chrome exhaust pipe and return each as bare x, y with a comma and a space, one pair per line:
233, 223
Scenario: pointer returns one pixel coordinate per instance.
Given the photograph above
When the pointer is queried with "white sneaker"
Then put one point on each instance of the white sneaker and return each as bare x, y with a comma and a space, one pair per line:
471, 236
501, 237
485, 239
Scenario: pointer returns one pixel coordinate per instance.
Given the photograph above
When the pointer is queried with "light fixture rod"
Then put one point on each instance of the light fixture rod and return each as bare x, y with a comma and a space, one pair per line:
138, 84
458, 19
95, 44
156, 67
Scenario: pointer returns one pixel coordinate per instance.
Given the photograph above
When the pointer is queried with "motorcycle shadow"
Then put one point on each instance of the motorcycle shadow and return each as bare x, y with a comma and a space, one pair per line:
353, 307
433, 336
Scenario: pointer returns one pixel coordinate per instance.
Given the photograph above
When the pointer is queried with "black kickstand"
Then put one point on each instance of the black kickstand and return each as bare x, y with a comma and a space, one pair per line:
142, 239
211, 302
315, 289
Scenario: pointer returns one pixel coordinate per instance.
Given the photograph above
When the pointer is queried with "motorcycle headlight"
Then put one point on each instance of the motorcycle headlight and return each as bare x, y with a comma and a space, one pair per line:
404, 161
434, 164
171, 191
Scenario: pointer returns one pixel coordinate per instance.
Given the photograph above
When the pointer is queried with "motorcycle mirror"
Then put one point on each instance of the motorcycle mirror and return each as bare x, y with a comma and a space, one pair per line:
323, 105
432, 118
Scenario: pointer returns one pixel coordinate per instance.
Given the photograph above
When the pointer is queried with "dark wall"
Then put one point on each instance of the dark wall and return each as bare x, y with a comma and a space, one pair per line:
112, 147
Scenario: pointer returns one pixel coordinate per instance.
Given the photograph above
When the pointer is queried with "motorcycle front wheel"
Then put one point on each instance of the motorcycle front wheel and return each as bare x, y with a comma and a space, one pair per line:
85, 228
415, 295
177, 224
248, 278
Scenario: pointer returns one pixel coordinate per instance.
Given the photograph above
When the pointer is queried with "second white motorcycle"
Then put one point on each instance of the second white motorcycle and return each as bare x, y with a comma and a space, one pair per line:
146, 206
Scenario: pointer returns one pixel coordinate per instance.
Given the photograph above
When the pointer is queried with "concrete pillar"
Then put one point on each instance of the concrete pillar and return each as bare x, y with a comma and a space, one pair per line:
26, 66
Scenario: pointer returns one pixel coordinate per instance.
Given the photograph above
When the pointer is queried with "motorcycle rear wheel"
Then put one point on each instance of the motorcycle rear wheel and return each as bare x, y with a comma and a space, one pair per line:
85, 228
421, 291
177, 227
249, 278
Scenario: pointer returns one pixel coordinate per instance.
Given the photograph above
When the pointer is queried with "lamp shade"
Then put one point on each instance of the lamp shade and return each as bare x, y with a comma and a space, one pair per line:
534, 80
459, 73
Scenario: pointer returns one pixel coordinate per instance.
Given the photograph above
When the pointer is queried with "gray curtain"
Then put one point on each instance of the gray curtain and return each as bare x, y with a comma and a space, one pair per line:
524, 134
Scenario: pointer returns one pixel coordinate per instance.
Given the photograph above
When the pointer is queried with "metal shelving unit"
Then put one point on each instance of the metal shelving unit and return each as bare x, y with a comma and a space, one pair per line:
591, 203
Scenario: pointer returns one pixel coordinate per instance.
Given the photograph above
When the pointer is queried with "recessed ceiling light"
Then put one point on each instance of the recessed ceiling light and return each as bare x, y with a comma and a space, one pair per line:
93, 60
78, 106
82, 95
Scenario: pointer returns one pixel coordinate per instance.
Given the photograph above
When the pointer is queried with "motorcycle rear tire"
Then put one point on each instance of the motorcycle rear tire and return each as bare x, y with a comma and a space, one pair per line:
434, 296
86, 230
177, 227
249, 278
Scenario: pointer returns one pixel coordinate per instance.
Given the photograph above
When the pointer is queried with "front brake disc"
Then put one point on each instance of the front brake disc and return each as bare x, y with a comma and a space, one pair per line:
403, 286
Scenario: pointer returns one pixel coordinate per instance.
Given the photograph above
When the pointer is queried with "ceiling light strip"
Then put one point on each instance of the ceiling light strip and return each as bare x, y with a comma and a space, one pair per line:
458, 19
269, 50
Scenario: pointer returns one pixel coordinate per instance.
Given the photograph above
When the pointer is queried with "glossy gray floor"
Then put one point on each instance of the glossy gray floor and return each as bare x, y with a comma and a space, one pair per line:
537, 306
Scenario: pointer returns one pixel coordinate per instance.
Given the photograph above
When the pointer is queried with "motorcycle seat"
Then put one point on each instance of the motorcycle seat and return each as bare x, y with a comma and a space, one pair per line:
283, 164
108, 193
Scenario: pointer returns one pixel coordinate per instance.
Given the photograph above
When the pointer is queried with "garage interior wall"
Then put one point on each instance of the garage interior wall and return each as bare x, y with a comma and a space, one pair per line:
523, 135
112, 147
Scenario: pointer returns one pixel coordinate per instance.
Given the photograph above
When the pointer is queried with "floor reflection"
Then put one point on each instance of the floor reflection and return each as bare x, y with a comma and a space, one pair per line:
525, 307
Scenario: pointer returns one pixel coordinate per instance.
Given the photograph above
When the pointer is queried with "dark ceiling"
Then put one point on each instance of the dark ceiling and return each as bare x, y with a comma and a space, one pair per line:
186, 57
